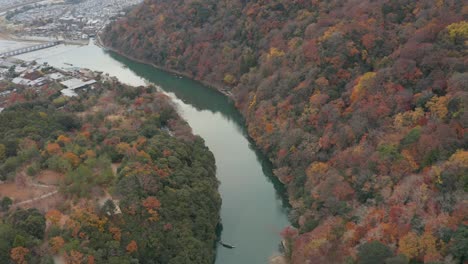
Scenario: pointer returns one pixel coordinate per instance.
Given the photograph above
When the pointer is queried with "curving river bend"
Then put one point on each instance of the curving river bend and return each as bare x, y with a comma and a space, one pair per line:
253, 210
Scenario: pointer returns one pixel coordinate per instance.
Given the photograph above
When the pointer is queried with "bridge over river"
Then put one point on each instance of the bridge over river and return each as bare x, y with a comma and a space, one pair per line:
29, 49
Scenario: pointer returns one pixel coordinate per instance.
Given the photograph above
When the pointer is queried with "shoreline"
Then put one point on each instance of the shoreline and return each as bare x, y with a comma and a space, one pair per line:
213, 86
229, 95
278, 259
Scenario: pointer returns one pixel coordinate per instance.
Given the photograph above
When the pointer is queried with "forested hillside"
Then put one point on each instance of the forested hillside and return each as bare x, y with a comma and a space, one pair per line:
134, 185
361, 106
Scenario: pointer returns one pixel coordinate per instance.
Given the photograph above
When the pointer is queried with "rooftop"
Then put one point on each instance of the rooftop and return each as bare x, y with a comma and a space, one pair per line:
76, 83
56, 76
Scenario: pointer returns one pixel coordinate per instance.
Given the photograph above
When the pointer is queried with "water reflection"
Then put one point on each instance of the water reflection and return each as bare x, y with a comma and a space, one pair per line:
204, 98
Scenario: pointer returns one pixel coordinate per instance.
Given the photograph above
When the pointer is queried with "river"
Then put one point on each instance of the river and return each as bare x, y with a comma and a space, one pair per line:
254, 210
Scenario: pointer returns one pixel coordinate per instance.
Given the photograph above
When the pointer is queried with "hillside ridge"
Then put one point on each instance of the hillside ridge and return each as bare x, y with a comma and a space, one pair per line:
359, 104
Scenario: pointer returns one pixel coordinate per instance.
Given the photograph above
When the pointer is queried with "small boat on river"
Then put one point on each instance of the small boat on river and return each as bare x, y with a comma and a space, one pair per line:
226, 245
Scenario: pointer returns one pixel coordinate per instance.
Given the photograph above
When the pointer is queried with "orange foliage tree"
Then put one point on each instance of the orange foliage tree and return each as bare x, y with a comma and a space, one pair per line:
152, 204
75, 257
72, 158
54, 216
53, 148
116, 233
132, 246
18, 255
56, 244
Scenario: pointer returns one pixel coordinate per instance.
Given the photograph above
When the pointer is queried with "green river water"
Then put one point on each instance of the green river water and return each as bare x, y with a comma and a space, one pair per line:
254, 209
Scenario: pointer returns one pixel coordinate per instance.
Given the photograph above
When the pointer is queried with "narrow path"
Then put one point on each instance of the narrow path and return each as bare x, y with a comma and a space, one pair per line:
37, 198
31, 183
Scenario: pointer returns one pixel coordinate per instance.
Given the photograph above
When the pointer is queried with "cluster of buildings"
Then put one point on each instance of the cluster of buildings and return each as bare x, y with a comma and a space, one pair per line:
7, 4
69, 20
16, 74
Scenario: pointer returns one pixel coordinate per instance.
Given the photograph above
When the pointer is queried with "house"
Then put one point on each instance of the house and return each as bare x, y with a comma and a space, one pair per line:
6, 64
76, 83
56, 76
73, 84
38, 82
21, 81
19, 69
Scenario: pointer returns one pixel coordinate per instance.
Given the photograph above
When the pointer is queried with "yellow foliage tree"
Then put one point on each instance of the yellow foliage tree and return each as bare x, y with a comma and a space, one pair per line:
362, 84
458, 31
438, 106
316, 168
409, 118
122, 148
328, 33
275, 53
428, 244
460, 159
229, 79
409, 245
64, 139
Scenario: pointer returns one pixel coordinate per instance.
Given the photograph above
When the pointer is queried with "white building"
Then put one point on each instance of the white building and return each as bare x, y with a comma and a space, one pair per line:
73, 84
76, 83
21, 81
56, 76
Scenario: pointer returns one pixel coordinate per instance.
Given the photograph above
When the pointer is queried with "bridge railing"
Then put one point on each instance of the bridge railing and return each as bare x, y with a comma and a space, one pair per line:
29, 49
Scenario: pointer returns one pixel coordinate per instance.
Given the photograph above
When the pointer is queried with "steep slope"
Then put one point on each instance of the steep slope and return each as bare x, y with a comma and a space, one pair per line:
359, 104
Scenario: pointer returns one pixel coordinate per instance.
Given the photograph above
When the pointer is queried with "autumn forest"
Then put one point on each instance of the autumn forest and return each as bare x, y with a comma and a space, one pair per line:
359, 104
132, 182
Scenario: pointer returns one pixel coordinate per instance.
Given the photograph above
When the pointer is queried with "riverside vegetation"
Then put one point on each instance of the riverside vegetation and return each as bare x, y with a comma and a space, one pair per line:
361, 106
135, 185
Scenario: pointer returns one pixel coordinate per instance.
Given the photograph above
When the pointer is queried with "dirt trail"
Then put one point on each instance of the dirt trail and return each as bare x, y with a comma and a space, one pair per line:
27, 190
37, 198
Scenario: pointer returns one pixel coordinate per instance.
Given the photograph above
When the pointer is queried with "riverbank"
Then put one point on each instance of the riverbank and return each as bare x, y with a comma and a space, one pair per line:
294, 204
254, 209
211, 85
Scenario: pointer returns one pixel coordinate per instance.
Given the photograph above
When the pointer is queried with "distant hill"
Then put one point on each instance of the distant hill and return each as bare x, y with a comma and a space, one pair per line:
361, 106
